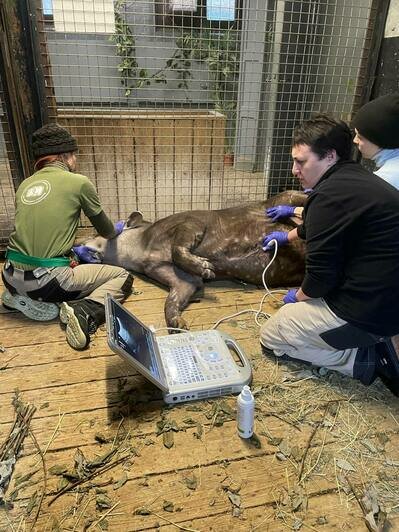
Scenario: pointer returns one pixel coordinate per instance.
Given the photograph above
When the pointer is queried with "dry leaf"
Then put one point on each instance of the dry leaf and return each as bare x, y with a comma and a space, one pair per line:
198, 432
297, 524
234, 499
100, 438
103, 502
191, 482
19, 480
273, 440
285, 448
168, 439
80, 463
142, 511
120, 482
32, 503
58, 469
255, 441
168, 506
343, 464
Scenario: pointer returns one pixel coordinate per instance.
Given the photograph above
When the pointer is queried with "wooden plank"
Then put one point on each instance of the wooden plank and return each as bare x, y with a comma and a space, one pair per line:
105, 138
79, 428
184, 135
165, 186
91, 390
166, 470
217, 168
202, 154
145, 167
125, 162
198, 317
78, 370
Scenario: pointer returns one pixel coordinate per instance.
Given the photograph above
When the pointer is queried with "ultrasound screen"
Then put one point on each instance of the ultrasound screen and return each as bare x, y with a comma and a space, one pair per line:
134, 339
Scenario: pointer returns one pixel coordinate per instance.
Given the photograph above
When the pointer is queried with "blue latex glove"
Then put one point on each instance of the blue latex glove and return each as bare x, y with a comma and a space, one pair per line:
290, 296
119, 227
280, 211
280, 236
87, 254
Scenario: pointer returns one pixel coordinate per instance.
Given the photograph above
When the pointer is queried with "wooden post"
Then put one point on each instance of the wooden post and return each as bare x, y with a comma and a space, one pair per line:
25, 95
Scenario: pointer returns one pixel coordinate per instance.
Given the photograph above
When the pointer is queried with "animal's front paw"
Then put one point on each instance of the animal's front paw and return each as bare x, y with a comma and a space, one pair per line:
177, 322
207, 270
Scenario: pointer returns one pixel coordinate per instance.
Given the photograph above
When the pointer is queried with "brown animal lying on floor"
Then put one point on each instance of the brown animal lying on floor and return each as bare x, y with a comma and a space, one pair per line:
181, 250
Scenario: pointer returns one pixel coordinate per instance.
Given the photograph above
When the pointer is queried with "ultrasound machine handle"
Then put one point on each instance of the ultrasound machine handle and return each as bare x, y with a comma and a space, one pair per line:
246, 369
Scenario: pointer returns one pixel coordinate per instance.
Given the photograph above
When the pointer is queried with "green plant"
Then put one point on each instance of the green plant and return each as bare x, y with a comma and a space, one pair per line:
133, 77
220, 51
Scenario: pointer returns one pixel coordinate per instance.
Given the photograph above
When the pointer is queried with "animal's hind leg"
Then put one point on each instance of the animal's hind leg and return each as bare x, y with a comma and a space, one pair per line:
182, 287
185, 240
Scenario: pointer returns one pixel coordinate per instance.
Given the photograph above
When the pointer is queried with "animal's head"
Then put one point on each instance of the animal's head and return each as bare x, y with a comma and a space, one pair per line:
107, 247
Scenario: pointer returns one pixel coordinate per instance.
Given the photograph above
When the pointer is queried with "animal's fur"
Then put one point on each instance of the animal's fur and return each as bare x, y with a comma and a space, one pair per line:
183, 249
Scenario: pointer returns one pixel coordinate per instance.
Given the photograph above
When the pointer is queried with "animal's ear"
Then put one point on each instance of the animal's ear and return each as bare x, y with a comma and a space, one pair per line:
134, 219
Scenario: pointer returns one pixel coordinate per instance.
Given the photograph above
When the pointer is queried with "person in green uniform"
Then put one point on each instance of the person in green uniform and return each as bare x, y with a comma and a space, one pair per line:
40, 270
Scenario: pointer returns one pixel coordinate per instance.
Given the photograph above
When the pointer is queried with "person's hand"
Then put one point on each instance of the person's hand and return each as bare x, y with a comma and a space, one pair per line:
290, 296
119, 227
280, 236
87, 254
280, 211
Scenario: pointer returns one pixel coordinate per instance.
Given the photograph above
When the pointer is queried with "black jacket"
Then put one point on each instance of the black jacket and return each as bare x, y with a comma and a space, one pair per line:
351, 227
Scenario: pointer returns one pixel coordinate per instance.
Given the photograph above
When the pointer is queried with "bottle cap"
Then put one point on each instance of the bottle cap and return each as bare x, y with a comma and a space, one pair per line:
246, 393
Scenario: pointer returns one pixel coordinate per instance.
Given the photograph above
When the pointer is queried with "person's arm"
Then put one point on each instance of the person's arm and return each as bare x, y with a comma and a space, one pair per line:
91, 206
103, 225
298, 211
293, 235
301, 296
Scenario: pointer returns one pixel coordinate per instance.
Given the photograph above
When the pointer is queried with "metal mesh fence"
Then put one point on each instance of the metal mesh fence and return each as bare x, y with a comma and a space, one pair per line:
184, 104
7, 186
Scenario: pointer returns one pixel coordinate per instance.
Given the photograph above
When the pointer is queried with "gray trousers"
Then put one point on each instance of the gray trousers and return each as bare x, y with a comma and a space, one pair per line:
91, 281
310, 331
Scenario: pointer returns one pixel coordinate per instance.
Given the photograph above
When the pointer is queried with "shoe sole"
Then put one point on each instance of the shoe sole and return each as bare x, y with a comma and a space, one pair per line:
76, 338
32, 309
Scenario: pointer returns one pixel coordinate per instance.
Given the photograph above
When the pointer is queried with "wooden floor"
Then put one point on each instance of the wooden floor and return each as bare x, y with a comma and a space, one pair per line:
322, 440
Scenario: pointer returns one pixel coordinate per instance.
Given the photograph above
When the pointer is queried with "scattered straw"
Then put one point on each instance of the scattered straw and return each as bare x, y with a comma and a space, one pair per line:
175, 524
88, 477
39, 506
103, 516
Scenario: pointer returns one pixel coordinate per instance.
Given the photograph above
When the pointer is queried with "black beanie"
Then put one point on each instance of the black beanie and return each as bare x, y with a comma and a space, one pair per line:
52, 139
378, 121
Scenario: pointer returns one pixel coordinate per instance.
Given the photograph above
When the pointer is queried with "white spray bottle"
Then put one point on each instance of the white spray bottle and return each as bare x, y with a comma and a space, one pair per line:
245, 413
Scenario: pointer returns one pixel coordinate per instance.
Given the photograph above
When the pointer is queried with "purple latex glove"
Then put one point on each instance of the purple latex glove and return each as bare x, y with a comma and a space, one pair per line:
308, 191
290, 296
280, 211
87, 254
280, 236
119, 227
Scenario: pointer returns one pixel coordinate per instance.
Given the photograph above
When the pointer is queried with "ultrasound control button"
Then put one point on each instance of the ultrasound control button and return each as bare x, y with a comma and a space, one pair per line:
212, 357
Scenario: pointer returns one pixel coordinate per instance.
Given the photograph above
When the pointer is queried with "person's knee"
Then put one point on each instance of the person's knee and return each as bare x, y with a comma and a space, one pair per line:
272, 325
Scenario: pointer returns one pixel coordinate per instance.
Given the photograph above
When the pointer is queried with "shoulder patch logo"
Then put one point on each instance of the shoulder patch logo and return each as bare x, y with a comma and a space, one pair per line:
36, 193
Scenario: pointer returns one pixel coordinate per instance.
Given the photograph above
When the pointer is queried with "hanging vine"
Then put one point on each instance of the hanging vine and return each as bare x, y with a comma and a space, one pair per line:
219, 50
133, 77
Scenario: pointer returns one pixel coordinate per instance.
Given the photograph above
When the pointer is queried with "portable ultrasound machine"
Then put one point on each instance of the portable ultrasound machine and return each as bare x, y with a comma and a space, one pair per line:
185, 366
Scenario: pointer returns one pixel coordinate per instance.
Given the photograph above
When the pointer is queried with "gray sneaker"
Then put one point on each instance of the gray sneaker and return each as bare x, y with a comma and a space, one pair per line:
32, 309
79, 324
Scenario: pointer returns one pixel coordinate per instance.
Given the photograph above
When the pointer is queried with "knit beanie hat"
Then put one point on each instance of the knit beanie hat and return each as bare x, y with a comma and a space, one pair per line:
378, 121
52, 139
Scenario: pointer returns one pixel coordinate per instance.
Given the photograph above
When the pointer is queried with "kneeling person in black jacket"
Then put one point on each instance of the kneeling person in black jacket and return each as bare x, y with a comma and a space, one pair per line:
347, 307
